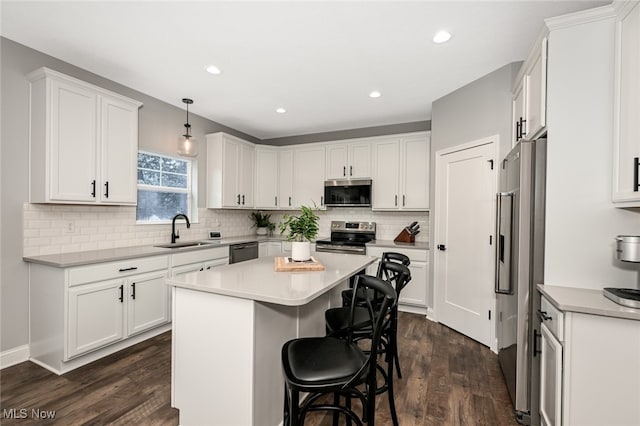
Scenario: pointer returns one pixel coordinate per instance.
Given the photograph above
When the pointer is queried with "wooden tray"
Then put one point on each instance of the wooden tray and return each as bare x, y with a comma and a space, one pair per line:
281, 265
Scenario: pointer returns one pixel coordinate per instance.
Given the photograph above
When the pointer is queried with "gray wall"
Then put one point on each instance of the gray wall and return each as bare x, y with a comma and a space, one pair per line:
417, 126
161, 125
475, 111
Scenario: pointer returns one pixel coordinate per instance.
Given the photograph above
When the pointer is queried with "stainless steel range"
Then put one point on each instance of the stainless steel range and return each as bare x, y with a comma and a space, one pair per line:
348, 237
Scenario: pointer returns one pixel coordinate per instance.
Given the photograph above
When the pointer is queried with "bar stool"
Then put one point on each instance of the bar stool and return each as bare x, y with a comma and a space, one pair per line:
338, 322
333, 365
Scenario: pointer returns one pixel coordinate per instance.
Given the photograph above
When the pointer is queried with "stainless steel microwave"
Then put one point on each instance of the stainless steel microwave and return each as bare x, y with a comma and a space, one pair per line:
347, 193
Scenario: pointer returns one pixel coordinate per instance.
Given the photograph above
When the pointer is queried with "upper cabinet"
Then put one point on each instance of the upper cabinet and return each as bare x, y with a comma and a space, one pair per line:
308, 175
274, 178
626, 146
83, 144
530, 95
230, 171
401, 173
349, 160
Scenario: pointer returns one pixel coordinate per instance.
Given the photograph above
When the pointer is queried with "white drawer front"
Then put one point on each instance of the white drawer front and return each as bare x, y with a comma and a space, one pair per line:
117, 269
552, 318
195, 256
415, 255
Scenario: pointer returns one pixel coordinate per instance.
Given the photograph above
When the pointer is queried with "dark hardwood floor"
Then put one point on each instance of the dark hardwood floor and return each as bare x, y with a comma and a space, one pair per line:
448, 379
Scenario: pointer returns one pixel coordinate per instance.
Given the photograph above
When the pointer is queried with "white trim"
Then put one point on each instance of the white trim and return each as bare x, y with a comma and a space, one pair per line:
579, 18
14, 356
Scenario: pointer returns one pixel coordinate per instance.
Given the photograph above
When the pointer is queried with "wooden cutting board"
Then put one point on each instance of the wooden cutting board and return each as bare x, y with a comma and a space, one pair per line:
281, 265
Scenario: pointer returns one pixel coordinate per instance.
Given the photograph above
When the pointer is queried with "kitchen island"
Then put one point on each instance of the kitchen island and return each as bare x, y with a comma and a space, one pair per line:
229, 325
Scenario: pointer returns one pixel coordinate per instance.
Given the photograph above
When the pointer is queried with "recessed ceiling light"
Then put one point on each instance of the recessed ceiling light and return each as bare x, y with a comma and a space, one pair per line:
441, 37
374, 94
212, 69
281, 110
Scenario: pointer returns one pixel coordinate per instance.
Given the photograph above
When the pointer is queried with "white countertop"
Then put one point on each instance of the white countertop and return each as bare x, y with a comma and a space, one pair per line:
257, 280
66, 260
390, 243
586, 301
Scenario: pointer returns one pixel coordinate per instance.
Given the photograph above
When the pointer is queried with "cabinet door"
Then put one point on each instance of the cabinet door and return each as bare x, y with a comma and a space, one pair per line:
231, 162
95, 316
415, 293
119, 151
308, 176
386, 175
147, 305
550, 379
359, 160
73, 143
185, 269
415, 174
266, 194
337, 167
519, 109
285, 179
215, 263
536, 94
626, 152
246, 174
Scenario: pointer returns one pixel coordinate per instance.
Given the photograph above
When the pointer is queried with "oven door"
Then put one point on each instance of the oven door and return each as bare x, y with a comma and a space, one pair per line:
333, 247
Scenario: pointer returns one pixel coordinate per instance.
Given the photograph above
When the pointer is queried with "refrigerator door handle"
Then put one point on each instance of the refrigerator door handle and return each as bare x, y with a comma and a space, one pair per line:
504, 230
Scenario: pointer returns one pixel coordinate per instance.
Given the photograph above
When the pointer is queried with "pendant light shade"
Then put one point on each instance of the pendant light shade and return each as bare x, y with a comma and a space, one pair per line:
187, 145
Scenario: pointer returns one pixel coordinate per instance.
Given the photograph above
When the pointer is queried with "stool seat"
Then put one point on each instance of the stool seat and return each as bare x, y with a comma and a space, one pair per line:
321, 362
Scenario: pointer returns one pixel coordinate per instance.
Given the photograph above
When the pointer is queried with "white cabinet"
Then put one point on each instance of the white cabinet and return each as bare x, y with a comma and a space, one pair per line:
269, 248
148, 303
308, 175
83, 142
348, 160
415, 293
274, 178
199, 260
401, 173
626, 152
230, 171
589, 369
530, 96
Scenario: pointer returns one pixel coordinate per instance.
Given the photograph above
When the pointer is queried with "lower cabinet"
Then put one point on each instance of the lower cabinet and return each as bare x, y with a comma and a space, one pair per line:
269, 248
590, 369
415, 293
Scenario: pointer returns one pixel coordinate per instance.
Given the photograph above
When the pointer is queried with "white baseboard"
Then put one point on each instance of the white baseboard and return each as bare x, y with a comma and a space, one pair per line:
14, 356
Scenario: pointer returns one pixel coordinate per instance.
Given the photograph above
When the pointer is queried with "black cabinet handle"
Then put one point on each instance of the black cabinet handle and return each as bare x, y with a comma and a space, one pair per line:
544, 316
523, 131
238, 199
403, 198
243, 199
636, 166
441, 247
322, 200
289, 201
93, 188
133, 291
344, 170
133, 268
350, 170
536, 335
121, 293
276, 200
396, 201
106, 189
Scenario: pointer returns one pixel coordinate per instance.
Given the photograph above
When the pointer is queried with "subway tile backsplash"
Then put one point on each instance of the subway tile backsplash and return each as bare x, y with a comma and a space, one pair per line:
52, 229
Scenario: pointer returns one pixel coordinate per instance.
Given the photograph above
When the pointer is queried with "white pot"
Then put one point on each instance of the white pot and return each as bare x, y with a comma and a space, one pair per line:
261, 230
301, 250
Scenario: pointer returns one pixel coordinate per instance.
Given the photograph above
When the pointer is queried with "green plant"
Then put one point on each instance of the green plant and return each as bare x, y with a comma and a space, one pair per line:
302, 227
262, 220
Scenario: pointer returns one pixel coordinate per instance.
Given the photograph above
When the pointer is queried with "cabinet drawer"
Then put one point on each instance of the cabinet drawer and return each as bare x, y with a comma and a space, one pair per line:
120, 268
552, 318
196, 256
415, 255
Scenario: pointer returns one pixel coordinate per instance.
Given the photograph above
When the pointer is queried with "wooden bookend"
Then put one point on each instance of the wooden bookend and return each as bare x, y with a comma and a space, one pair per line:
405, 237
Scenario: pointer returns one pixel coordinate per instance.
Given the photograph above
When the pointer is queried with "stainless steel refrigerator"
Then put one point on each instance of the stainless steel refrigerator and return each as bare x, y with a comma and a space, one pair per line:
519, 267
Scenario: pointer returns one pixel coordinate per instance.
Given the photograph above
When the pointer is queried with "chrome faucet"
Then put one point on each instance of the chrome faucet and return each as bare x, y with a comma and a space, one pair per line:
174, 234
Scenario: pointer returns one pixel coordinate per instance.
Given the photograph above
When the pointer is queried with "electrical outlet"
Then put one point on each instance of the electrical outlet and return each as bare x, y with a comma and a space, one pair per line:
70, 227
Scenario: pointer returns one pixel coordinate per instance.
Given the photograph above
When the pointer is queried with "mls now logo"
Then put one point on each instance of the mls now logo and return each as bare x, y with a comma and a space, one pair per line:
23, 413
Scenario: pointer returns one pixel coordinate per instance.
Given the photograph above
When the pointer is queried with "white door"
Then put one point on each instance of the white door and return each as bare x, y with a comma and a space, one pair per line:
119, 143
246, 174
550, 379
464, 228
415, 173
337, 161
386, 175
230, 165
148, 305
308, 176
359, 160
266, 187
285, 179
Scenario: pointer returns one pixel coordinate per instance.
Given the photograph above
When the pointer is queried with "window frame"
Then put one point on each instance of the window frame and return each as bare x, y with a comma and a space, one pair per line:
191, 190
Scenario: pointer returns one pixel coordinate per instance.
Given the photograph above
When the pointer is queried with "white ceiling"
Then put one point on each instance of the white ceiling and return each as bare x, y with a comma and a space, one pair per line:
319, 60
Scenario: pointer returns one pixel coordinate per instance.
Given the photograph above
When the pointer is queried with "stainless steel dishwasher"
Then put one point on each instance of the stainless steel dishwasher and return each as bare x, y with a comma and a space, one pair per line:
242, 252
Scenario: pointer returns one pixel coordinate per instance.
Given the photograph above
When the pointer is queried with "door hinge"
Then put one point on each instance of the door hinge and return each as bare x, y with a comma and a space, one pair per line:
490, 163
489, 314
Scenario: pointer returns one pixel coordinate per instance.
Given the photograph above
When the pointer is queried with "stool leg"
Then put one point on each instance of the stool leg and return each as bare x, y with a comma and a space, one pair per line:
294, 408
392, 402
285, 412
395, 354
336, 414
348, 405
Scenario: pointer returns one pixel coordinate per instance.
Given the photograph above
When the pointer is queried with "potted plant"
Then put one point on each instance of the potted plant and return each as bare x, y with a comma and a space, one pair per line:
262, 222
302, 229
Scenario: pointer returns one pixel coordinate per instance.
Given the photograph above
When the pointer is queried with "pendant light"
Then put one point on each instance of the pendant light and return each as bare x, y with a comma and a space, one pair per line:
187, 145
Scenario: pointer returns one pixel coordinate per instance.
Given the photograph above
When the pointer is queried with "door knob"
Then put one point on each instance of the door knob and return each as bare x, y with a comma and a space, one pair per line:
441, 247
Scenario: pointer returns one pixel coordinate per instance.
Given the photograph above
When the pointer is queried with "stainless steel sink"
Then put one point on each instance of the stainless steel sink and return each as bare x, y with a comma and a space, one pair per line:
182, 245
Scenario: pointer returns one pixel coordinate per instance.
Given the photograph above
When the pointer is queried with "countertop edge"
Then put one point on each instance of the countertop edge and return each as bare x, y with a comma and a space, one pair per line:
594, 302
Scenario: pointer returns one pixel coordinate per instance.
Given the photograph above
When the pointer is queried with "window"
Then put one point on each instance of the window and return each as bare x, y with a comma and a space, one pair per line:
165, 188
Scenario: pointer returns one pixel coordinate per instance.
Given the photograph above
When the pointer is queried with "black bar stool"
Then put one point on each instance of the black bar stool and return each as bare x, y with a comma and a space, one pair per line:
333, 365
